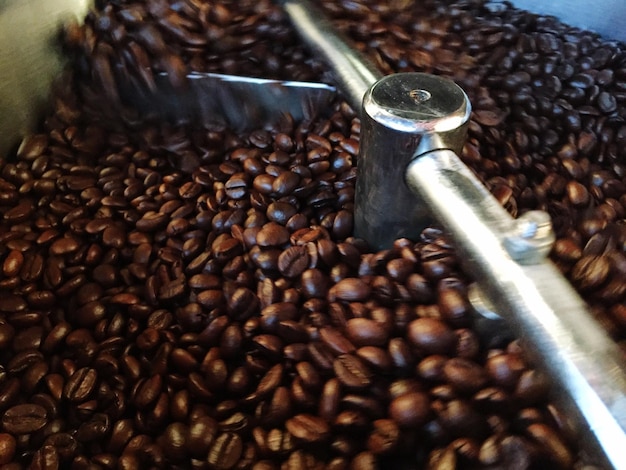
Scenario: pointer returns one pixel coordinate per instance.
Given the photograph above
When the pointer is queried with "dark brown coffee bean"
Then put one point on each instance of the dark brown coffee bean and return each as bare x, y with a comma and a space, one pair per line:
460, 419
314, 284
364, 461
175, 441
308, 428
549, 439
63, 246
7, 333
293, 261
349, 290
121, 434
225, 451
590, 272
431, 368
352, 372
431, 336
335, 341
80, 385
19, 213
366, 332
202, 433
46, 458
33, 376
410, 410
567, 250
93, 430
505, 369
400, 353
10, 303
13, 263
376, 357
384, 436
532, 387
577, 194
464, 375
454, 307
7, 448
148, 391
270, 381
280, 406
24, 419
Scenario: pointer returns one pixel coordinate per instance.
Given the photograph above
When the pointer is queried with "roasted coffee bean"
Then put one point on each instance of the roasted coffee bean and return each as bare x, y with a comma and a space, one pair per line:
147, 391
590, 272
24, 419
329, 401
308, 428
352, 372
175, 441
464, 375
225, 451
376, 357
93, 430
335, 341
461, 420
549, 439
7, 448
350, 290
80, 385
46, 458
314, 284
453, 306
384, 436
10, 303
366, 332
431, 336
293, 261
272, 234
7, 333
505, 369
410, 409
400, 353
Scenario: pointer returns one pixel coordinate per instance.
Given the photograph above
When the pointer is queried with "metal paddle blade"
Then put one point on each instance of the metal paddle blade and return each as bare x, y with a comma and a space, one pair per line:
239, 103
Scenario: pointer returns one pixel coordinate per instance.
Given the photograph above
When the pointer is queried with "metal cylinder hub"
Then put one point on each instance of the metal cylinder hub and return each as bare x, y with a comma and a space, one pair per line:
404, 115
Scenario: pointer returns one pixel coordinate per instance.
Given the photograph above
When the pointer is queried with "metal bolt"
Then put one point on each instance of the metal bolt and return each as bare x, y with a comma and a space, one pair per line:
531, 238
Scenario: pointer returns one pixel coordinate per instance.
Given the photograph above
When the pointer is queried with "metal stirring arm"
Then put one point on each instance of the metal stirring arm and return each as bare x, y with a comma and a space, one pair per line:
544, 310
352, 71
411, 127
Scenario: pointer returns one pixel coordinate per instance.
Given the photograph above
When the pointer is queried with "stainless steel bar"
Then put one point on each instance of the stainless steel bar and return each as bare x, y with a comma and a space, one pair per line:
543, 308
354, 73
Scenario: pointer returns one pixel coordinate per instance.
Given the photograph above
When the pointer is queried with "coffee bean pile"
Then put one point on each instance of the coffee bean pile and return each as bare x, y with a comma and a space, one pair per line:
181, 297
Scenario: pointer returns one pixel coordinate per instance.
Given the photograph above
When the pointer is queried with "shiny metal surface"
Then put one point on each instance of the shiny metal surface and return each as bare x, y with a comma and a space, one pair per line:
241, 103
541, 306
403, 115
29, 60
605, 17
353, 72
